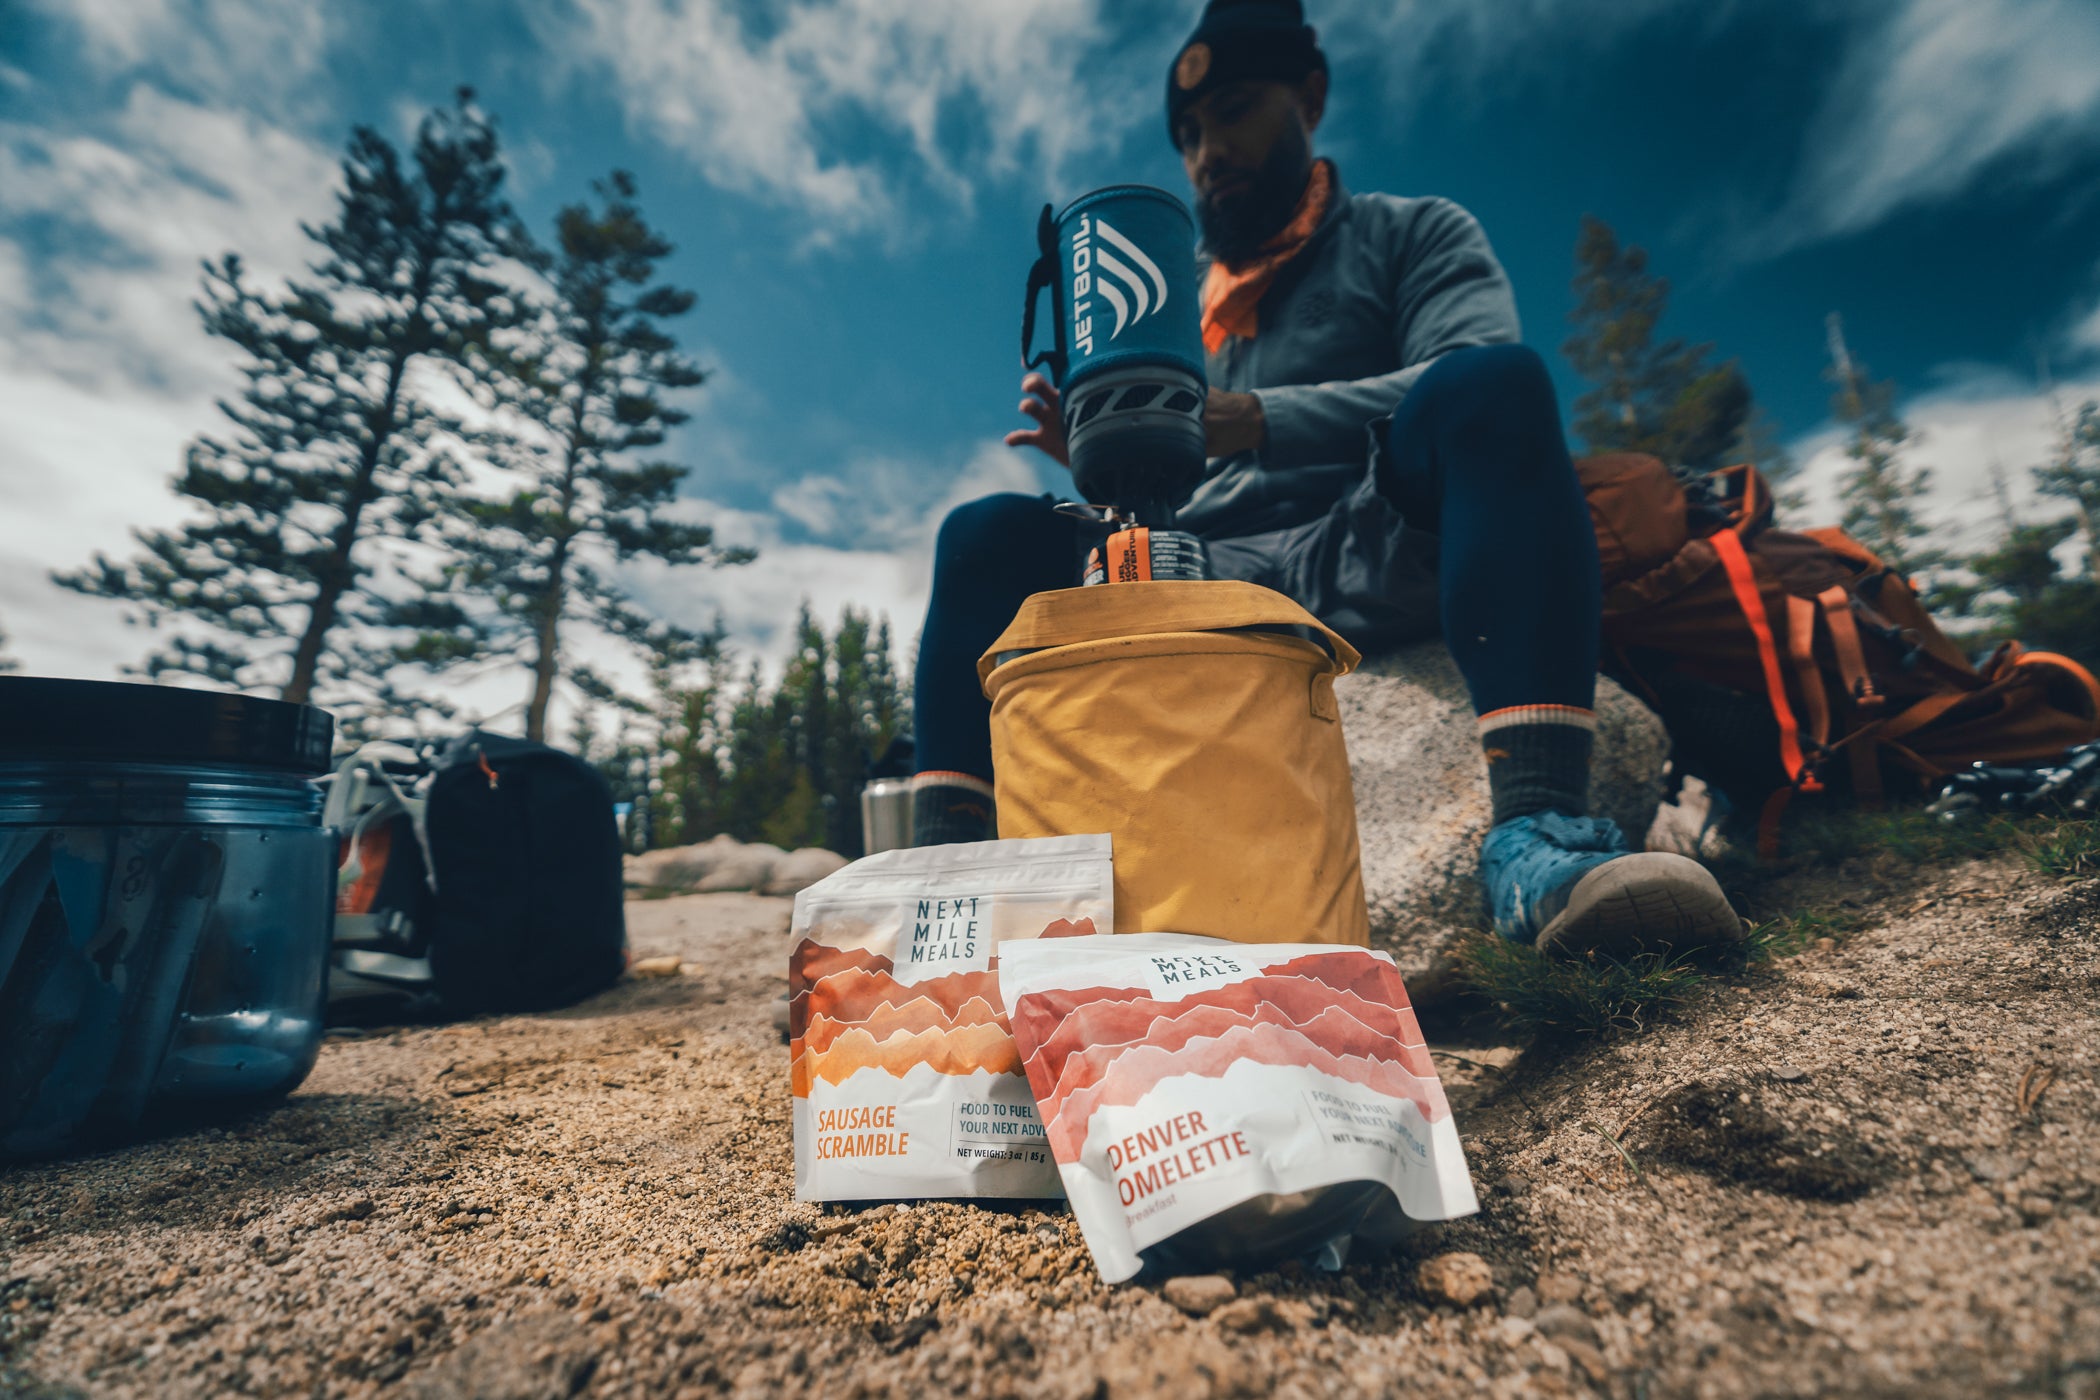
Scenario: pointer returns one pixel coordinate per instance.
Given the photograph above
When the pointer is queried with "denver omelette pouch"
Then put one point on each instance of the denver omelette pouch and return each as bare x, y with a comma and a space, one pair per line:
1219, 1105
906, 1080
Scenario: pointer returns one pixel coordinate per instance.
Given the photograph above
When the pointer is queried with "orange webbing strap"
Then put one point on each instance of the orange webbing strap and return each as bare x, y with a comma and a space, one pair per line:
1866, 701
1801, 646
1768, 820
1844, 638
1743, 580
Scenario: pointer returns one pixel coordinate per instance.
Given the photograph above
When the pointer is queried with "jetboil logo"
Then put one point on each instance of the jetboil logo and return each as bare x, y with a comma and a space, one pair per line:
1105, 270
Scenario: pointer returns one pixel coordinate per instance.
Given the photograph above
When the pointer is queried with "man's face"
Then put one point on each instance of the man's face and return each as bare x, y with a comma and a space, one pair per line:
1248, 151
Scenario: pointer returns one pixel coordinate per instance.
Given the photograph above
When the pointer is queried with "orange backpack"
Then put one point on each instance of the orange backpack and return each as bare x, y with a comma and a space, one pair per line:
1788, 662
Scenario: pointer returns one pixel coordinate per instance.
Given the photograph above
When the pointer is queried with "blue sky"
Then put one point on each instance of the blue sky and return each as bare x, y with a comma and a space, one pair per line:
852, 185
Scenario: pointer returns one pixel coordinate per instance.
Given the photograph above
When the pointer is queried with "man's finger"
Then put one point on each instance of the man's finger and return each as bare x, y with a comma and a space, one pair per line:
1025, 437
1038, 410
1037, 384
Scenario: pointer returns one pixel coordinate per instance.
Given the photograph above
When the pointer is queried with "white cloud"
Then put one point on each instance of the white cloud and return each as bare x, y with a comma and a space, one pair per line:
260, 53
1979, 421
875, 552
1929, 100
104, 369
760, 112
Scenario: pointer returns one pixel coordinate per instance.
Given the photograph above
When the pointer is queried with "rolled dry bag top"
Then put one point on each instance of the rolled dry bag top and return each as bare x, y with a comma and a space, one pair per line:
115, 722
1194, 721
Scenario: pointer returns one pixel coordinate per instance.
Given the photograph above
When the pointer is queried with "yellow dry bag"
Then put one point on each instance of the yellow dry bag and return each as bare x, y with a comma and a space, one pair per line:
1194, 721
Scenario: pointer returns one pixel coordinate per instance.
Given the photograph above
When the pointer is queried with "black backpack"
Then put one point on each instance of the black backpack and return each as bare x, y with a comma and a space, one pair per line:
525, 908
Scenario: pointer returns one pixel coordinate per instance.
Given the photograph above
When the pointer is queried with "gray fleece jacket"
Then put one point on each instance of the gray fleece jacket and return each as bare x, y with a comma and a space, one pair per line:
1384, 287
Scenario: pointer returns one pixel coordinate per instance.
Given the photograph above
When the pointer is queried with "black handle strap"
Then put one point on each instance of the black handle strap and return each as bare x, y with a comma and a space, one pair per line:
1044, 274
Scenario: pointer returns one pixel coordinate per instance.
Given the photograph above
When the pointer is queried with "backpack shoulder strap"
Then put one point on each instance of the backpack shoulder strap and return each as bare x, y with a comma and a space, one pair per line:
1742, 578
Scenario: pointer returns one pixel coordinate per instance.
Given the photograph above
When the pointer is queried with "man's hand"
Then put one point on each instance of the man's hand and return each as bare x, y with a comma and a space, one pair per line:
1041, 402
1232, 423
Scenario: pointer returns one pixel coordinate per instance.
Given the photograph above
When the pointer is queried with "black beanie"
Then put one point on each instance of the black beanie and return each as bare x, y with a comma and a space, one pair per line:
1237, 39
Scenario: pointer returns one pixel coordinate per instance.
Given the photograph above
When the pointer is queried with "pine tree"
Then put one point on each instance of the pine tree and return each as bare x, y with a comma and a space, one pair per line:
332, 452
783, 764
1665, 397
576, 394
1883, 494
2073, 475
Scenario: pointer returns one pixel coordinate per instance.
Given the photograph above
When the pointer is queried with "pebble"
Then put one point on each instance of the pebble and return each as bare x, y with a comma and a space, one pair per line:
1789, 1074
1558, 1288
1458, 1278
1522, 1302
666, 966
1588, 1358
1564, 1322
1200, 1295
1995, 1166
1263, 1314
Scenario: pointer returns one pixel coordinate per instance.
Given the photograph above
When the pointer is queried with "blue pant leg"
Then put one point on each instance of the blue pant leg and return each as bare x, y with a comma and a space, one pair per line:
991, 554
1476, 447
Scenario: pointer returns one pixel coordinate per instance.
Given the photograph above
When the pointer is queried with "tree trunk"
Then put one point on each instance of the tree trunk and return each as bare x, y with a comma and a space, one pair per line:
338, 575
548, 639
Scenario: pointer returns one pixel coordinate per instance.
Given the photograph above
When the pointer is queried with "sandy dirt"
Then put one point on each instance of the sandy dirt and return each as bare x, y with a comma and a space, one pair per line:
1870, 1169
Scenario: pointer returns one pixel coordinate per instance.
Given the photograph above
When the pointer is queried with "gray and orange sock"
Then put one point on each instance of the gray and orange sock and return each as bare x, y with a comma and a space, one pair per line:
947, 808
1538, 757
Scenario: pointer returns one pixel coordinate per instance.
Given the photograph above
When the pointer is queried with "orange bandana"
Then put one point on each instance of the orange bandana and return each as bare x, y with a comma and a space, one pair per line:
1230, 295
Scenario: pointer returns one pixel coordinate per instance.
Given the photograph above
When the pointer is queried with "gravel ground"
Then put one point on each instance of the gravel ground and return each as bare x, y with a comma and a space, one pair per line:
1869, 1169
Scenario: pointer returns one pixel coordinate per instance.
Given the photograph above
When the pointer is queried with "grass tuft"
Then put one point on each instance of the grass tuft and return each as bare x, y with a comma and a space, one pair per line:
1544, 997
2066, 850
1796, 932
1547, 997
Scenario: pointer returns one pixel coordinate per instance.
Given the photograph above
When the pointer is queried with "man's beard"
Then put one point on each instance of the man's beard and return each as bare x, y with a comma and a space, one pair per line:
1235, 229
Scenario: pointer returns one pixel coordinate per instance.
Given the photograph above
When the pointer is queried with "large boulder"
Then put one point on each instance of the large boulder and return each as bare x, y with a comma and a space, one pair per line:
680, 867
1422, 798
798, 870
748, 867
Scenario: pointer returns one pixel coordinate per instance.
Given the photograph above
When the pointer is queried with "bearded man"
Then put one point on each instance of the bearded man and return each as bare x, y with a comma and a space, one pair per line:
1381, 449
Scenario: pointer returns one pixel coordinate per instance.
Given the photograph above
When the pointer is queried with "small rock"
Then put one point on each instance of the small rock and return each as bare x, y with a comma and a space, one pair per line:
1995, 1166
1563, 1322
1201, 1295
665, 966
1522, 1303
1588, 1358
1264, 1314
1558, 1288
1789, 1074
1458, 1278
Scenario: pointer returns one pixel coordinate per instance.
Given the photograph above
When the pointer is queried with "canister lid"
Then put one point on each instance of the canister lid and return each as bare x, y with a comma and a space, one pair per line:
114, 722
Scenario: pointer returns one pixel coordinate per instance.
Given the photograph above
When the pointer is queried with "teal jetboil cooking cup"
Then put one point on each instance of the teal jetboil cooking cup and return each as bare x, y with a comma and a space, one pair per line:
1127, 351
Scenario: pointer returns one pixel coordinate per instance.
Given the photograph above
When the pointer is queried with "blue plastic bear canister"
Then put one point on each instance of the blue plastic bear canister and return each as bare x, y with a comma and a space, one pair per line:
166, 901
1127, 353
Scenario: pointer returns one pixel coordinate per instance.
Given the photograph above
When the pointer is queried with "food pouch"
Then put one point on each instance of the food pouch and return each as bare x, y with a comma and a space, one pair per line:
1214, 1104
906, 1080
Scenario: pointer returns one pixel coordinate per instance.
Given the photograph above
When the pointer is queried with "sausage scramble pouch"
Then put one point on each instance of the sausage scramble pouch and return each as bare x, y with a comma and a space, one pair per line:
906, 1080
1214, 1104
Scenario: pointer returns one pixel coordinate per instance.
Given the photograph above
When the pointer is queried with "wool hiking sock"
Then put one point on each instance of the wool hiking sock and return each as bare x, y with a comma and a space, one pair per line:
1538, 757
947, 808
